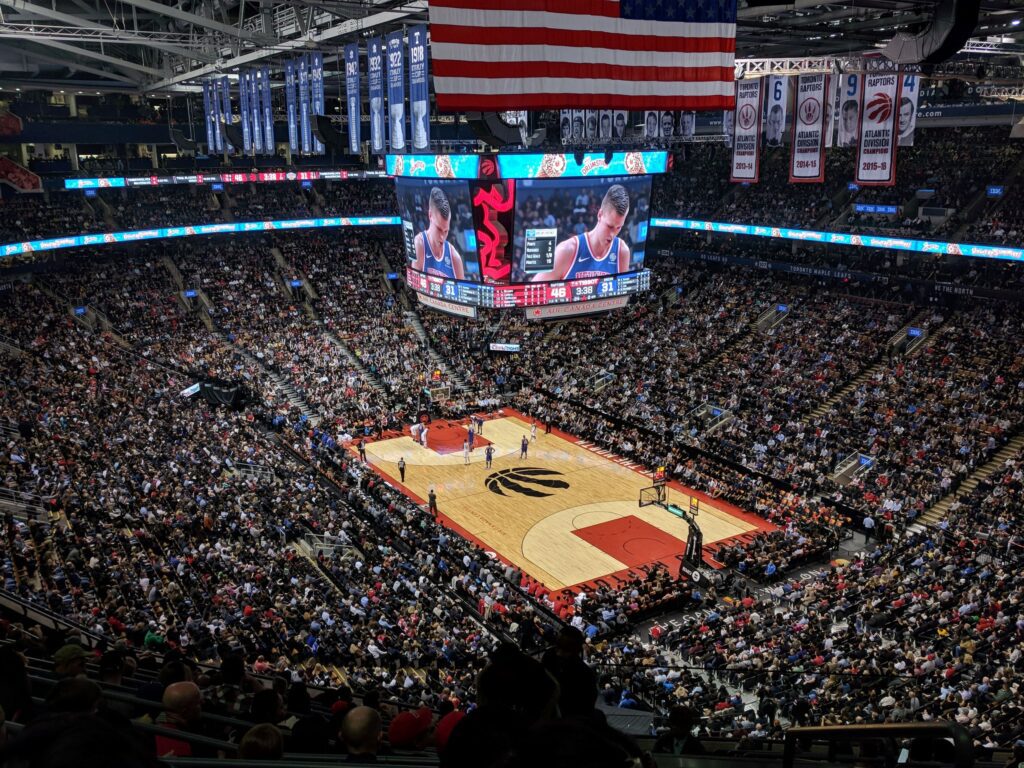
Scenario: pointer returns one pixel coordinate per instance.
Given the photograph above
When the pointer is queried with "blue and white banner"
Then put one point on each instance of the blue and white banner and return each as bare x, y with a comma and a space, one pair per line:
268, 113
352, 96
211, 139
306, 132
911, 92
848, 110
225, 96
775, 116
240, 227
254, 110
243, 102
419, 92
316, 81
217, 133
375, 68
291, 102
396, 90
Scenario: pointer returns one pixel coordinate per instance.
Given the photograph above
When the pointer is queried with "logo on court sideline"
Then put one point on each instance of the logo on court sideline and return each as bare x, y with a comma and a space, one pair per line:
524, 481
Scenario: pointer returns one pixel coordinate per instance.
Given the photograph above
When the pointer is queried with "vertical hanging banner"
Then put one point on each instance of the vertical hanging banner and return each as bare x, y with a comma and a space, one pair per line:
225, 96
747, 131
876, 154
291, 102
305, 130
243, 110
565, 122
728, 122
268, 114
218, 134
832, 108
375, 70
316, 83
419, 92
775, 122
910, 91
847, 131
254, 110
807, 150
396, 90
211, 141
352, 96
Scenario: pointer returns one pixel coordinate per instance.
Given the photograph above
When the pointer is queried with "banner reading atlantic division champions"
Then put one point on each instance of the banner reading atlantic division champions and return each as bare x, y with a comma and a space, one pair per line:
352, 96
747, 131
876, 153
396, 90
807, 153
419, 94
375, 68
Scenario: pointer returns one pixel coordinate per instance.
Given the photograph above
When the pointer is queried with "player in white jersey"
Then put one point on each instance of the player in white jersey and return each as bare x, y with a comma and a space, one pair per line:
599, 252
434, 254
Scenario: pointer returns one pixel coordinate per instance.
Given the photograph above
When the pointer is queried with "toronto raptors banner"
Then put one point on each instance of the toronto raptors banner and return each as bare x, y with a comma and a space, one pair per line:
352, 96
908, 109
807, 153
375, 70
876, 153
747, 131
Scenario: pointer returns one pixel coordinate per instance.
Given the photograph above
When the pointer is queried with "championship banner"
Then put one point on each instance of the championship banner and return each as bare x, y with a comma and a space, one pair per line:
211, 141
254, 111
848, 101
290, 97
305, 132
225, 98
316, 63
910, 92
419, 93
396, 90
775, 122
747, 131
807, 150
243, 110
352, 96
218, 134
876, 155
375, 68
268, 114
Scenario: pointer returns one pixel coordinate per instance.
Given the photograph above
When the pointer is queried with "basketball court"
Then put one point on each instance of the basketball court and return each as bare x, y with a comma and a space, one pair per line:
567, 514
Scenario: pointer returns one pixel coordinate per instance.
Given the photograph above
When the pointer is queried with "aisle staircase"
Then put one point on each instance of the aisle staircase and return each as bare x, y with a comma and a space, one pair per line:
371, 379
938, 510
455, 377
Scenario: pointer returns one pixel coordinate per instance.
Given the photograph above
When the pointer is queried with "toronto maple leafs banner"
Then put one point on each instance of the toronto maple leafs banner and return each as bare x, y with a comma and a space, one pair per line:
268, 113
211, 139
352, 96
910, 92
876, 153
396, 90
225, 101
375, 69
316, 83
291, 104
306, 132
419, 94
807, 149
775, 121
243, 110
747, 131
848, 109
254, 111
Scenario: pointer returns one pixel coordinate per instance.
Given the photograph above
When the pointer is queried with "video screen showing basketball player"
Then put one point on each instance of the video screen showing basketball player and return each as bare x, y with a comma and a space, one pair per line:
437, 226
434, 254
577, 229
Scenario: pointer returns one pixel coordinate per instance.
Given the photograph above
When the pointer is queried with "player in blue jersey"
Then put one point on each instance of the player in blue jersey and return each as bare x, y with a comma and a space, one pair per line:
434, 254
599, 252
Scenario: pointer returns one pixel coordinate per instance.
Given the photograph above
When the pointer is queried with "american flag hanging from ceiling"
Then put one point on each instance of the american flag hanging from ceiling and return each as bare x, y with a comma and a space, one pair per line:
614, 54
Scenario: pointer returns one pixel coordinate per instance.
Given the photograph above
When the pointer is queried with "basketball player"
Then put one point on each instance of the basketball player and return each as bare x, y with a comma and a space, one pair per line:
423, 436
600, 251
465, 451
489, 455
524, 447
533, 432
434, 254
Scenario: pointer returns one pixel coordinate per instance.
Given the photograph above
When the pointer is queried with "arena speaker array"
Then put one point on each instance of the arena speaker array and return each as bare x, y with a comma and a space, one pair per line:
182, 142
952, 24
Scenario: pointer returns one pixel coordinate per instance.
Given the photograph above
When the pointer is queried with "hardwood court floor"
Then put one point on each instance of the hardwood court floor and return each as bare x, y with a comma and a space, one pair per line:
587, 525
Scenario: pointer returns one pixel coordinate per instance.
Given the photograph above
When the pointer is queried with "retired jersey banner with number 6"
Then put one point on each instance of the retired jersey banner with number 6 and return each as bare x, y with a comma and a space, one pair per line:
747, 131
807, 157
876, 151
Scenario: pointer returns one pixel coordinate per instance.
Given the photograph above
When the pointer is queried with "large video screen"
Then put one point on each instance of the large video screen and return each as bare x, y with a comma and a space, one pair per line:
501, 232
437, 227
579, 228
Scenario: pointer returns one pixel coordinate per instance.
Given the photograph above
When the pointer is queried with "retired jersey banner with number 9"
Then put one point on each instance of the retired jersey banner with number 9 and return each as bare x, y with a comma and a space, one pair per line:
807, 157
876, 151
747, 131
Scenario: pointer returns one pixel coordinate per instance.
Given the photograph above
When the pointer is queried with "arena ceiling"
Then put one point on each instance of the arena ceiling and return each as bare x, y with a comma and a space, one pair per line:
144, 46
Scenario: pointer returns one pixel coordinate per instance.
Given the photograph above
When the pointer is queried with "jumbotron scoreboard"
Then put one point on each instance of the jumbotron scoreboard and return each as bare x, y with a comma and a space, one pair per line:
526, 231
